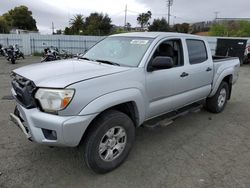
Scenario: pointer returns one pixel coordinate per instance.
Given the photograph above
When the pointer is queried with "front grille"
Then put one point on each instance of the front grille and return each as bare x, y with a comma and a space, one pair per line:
24, 90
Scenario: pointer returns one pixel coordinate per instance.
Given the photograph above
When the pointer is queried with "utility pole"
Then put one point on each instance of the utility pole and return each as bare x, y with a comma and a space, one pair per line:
216, 15
53, 28
125, 19
169, 4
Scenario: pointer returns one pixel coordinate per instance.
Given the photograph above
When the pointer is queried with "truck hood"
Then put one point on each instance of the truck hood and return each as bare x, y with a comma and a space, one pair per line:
59, 74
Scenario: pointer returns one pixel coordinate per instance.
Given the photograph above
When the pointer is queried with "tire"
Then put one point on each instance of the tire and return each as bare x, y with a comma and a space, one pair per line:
245, 60
217, 103
13, 61
43, 59
100, 134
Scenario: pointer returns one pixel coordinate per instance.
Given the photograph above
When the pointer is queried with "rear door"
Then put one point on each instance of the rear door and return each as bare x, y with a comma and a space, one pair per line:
199, 74
199, 67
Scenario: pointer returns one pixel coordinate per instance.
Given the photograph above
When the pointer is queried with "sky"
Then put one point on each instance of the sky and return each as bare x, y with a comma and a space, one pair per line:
60, 11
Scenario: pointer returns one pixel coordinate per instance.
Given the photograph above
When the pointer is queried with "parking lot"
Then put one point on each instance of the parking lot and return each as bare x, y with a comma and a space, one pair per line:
198, 150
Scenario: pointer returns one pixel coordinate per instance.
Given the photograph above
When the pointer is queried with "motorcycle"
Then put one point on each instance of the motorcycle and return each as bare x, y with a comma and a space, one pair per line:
11, 56
50, 54
2, 50
18, 53
67, 55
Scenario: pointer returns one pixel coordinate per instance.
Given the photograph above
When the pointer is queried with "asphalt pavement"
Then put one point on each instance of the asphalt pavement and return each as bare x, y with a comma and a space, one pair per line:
198, 150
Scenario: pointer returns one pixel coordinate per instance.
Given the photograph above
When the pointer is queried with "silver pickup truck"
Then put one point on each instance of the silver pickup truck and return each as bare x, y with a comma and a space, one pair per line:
97, 100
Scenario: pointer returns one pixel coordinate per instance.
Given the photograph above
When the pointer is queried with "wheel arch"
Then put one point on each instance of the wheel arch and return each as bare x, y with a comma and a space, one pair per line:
228, 78
129, 101
129, 108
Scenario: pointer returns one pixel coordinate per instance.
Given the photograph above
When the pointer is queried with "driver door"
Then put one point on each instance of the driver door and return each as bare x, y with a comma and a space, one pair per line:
166, 85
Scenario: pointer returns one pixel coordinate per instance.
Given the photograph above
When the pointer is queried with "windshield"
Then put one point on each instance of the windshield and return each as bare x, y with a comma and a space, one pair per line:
125, 51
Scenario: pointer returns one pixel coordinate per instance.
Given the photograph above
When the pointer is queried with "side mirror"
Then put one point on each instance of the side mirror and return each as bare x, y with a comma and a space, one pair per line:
161, 62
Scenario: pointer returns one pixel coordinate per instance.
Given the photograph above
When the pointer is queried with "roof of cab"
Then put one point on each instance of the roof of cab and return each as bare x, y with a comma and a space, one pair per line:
156, 34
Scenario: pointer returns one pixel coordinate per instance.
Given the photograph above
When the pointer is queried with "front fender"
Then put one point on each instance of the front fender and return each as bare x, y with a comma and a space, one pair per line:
109, 100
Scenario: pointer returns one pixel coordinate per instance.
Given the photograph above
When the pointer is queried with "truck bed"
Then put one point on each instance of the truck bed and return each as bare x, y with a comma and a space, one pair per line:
224, 64
217, 59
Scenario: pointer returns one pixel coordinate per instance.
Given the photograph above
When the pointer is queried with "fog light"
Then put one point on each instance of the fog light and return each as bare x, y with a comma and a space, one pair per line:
49, 134
54, 134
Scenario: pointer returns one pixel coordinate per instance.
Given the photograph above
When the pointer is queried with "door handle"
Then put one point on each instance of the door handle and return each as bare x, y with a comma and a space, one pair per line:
184, 74
208, 69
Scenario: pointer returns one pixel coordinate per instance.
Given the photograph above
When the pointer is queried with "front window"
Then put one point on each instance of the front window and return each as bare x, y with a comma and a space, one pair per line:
125, 51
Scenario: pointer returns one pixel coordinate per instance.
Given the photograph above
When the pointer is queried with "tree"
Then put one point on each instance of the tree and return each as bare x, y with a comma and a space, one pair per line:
94, 24
245, 29
4, 28
218, 30
77, 24
231, 29
20, 18
67, 31
159, 25
181, 28
143, 19
58, 32
128, 26
98, 24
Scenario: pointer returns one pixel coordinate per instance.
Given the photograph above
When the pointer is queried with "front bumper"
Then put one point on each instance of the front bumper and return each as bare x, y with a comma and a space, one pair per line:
67, 130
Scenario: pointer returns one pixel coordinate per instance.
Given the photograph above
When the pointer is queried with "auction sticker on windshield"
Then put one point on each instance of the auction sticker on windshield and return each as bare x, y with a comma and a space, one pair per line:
139, 42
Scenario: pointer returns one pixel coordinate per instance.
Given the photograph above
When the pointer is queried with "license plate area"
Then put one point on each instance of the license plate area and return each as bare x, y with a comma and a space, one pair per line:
18, 120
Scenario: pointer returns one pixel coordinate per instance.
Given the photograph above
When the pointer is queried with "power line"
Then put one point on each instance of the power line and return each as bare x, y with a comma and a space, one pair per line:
132, 11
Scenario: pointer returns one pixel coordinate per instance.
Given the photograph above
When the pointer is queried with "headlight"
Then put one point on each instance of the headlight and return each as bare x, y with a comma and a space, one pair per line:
53, 100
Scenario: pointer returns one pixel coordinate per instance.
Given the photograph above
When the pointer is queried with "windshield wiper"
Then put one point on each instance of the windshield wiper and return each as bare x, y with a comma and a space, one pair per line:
84, 58
107, 62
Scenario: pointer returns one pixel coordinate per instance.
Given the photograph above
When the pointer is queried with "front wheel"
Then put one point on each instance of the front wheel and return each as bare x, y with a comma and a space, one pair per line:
13, 61
108, 142
217, 103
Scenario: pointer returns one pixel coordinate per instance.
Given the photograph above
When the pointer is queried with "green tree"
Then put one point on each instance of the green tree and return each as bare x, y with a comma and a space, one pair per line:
128, 26
143, 19
218, 30
231, 29
67, 31
4, 28
245, 29
181, 28
58, 32
21, 18
98, 24
77, 24
159, 25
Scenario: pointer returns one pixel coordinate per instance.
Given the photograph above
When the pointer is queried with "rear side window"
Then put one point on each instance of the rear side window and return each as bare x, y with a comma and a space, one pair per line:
197, 51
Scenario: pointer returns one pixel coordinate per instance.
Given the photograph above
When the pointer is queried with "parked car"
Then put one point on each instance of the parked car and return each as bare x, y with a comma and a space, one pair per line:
96, 101
246, 59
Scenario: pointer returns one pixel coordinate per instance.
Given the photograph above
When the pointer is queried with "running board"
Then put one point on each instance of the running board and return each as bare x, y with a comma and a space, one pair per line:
167, 119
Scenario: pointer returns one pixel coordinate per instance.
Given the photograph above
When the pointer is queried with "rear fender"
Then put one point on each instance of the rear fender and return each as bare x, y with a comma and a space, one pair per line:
216, 84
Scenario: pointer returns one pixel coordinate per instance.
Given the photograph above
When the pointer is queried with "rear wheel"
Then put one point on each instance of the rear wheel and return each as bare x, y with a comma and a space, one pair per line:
108, 142
217, 103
